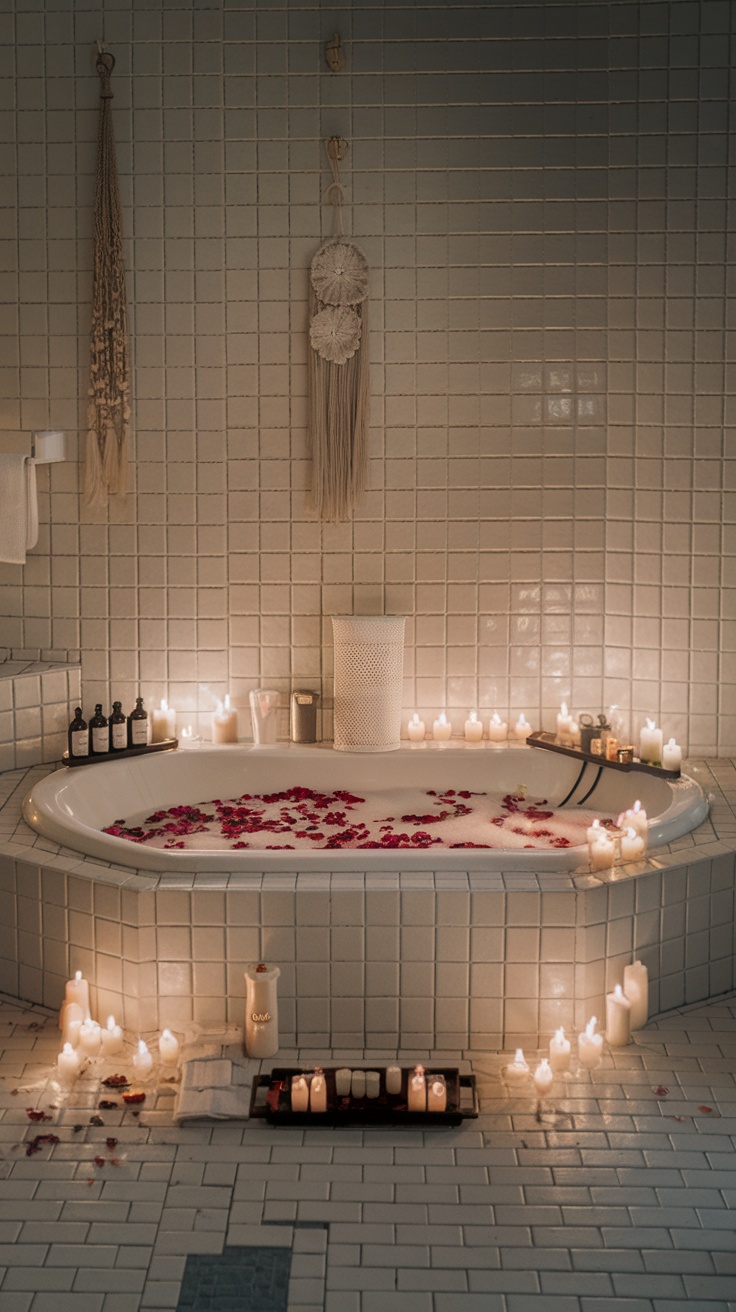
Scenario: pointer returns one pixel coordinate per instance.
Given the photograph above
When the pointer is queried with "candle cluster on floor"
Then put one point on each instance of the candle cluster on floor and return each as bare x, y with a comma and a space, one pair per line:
84, 1040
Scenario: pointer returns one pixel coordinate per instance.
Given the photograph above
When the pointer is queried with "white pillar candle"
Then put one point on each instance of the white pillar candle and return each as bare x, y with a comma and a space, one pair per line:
522, 728
636, 988
68, 1064
559, 1051
602, 852
112, 1038
372, 1084
650, 743
77, 990
498, 730
343, 1081
543, 1078
357, 1084
473, 728
71, 1032
90, 1038
415, 729
671, 755
318, 1092
142, 1061
163, 723
632, 845
225, 723
564, 724
168, 1048
442, 729
618, 1018
261, 1010
436, 1094
594, 832
393, 1080
635, 818
417, 1093
73, 1016
517, 1071
299, 1094
590, 1046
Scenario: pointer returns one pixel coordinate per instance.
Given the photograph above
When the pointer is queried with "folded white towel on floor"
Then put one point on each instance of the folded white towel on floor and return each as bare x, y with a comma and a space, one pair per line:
18, 507
215, 1088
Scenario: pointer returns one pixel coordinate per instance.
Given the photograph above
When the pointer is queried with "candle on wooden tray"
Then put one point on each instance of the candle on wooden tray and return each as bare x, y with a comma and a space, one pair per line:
343, 1081
299, 1094
68, 1064
671, 755
543, 1078
225, 723
90, 1038
442, 729
415, 729
417, 1099
517, 1071
436, 1094
650, 743
318, 1092
393, 1080
632, 845
618, 1018
559, 1051
522, 728
590, 1046
142, 1060
574, 733
473, 728
564, 725
163, 722
498, 730
112, 1038
168, 1049
636, 988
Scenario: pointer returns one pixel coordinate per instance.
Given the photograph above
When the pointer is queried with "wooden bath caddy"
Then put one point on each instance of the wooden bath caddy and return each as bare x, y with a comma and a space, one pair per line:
271, 1100
166, 745
540, 738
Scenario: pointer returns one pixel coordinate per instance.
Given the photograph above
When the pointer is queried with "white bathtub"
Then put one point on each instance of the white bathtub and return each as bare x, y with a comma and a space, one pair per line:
72, 806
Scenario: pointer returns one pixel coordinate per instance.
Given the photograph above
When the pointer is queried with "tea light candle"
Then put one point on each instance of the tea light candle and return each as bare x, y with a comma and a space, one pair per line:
632, 845
559, 1051
517, 1071
112, 1038
142, 1061
225, 723
318, 1092
415, 729
77, 990
168, 1049
68, 1064
343, 1081
73, 1018
590, 1046
442, 729
564, 724
372, 1084
522, 728
163, 723
543, 1078
636, 988
417, 1100
299, 1094
393, 1080
188, 739
498, 730
650, 743
602, 852
436, 1094
618, 1018
90, 1038
635, 818
473, 728
671, 755
357, 1084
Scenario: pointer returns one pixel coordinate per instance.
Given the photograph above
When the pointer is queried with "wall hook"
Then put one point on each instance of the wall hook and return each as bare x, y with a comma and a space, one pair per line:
333, 54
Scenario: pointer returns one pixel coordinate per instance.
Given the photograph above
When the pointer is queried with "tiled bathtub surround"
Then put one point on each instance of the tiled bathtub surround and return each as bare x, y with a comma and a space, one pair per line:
541, 191
420, 960
36, 697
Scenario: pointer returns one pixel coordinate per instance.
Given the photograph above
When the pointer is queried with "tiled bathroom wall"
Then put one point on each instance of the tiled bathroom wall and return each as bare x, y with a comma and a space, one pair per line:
542, 192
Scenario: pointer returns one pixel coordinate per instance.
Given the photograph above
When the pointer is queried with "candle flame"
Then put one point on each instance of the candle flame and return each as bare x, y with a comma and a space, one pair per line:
164, 704
636, 808
519, 1057
590, 1027
617, 993
68, 1050
227, 701
111, 1022
495, 718
166, 1034
415, 718
651, 724
563, 708
443, 718
560, 1034
631, 833
474, 717
142, 1047
78, 975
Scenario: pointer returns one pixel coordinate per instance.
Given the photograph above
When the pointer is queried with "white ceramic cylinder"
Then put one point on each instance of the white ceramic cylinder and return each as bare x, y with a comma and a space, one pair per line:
372, 1084
636, 988
261, 1010
618, 1018
369, 671
343, 1081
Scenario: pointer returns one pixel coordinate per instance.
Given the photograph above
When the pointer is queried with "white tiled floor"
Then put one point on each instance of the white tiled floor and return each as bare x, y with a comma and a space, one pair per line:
619, 1195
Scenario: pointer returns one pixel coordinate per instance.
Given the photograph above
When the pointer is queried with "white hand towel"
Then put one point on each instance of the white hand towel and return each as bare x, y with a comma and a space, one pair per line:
18, 507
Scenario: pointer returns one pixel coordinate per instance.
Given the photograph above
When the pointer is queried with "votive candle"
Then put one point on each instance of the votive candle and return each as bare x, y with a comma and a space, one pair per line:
632, 845
68, 1064
564, 724
650, 743
473, 728
522, 728
168, 1049
559, 1051
318, 1092
225, 723
90, 1038
415, 729
442, 729
142, 1060
163, 722
498, 730
590, 1045
393, 1080
543, 1078
299, 1094
343, 1081
517, 1071
671, 755
112, 1038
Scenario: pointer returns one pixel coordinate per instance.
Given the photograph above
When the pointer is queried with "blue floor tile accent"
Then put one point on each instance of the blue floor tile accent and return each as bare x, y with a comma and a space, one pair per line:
236, 1280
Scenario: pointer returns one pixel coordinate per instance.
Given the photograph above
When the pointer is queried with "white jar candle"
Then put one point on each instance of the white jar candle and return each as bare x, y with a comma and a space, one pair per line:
636, 988
112, 1038
393, 1080
90, 1038
671, 755
559, 1051
436, 1094
168, 1049
522, 728
590, 1046
618, 1018
543, 1078
68, 1064
225, 723
594, 832
498, 730
415, 729
299, 1094
517, 1071
650, 743
417, 1094
635, 818
142, 1061
632, 845
473, 728
442, 729
602, 852
318, 1092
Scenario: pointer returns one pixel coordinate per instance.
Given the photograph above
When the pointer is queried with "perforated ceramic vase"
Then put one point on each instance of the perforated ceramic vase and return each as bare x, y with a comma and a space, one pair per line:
369, 669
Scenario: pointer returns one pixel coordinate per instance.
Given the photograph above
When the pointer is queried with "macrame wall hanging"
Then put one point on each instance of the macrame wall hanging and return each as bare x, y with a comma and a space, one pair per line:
338, 365
108, 403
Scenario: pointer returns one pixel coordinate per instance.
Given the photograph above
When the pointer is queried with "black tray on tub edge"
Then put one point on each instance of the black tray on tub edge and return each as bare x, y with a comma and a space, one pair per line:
270, 1100
166, 745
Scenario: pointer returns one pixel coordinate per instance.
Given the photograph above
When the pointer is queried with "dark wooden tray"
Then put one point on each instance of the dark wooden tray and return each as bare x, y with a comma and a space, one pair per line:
270, 1100
167, 745
540, 738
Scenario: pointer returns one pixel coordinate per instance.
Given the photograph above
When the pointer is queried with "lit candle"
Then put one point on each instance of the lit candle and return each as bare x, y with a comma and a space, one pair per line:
574, 733
618, 1018
77, 990
632, 845
299, 1094
636, 988
142, 1061
498, 730
168, 1049
163, 723
343, 1081
73, 1018
317, 1092
517, 1071
188, 739
543, 1078
112, 1038
473, 728
594, 832
564, 724
90, 1038
602, 852
671, 755
436, 1094
590, 1046
415, 730
635, 818
442, 729
417, 1100
372, 1084
225, 723
522, 728
559, 1051
67, 1064
357, 1084
650, 743
393, 1080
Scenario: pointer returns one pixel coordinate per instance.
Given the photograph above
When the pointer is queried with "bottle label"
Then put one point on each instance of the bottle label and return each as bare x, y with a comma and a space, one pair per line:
139, 733
119, 736
80, 742
100, 740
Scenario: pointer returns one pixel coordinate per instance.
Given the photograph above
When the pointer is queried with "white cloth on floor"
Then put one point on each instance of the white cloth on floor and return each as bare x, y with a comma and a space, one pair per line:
215, 1088
18, 507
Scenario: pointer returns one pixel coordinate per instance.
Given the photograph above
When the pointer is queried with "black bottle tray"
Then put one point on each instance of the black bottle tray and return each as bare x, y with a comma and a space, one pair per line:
271, 1100
166, 745
540, 738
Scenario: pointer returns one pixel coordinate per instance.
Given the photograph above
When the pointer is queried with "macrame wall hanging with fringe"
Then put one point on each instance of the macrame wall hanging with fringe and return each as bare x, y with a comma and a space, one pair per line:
338, 365
108, 403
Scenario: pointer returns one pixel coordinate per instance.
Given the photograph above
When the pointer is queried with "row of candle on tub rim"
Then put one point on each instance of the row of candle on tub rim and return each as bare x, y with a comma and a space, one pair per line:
628, 840
498, 729
84, 1039
627, 1009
